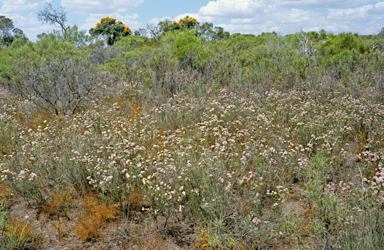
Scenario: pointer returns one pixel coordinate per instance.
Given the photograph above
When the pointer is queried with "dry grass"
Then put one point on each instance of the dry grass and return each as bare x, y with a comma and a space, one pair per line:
94, 215
58, 206
18, 233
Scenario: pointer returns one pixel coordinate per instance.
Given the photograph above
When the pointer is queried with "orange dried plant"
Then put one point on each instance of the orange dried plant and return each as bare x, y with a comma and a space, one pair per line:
94, 215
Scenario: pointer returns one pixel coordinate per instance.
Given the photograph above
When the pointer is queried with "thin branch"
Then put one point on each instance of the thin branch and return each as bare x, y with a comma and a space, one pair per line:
54, 16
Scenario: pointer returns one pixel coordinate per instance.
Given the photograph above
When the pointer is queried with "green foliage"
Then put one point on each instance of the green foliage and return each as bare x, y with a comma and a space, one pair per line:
19, 55
345, 42
72, 34
206, 30
130, 42
111, 29
189, 49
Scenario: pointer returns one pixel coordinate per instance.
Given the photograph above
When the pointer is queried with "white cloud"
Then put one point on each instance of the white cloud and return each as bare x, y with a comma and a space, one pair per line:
156, 20
19, 6
323, 4
99, 6
232, 9
256, 16
30, 25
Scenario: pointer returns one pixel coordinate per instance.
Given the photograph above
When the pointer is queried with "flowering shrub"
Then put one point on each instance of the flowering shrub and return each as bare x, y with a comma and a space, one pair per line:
184, 23
111, 29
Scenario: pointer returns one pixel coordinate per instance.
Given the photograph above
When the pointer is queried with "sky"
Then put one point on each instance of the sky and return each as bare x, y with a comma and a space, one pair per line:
236, 16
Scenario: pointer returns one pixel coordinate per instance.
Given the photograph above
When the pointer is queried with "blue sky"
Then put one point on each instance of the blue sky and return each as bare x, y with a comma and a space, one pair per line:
243, 16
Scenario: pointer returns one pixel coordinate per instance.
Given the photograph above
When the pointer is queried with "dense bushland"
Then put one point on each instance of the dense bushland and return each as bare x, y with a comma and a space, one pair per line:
257, 141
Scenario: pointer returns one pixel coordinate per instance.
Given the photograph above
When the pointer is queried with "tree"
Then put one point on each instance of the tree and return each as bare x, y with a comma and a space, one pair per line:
111, 29
54, 17
8, 32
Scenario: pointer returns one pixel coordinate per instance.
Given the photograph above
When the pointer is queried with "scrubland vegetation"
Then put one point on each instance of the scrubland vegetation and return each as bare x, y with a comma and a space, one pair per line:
192, 139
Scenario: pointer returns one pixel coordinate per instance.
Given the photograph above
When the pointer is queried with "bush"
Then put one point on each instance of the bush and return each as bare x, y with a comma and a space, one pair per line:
189, 49
56, 85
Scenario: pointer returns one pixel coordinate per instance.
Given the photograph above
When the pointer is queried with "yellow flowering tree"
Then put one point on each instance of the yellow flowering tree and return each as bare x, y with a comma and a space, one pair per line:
184, 23
111, 29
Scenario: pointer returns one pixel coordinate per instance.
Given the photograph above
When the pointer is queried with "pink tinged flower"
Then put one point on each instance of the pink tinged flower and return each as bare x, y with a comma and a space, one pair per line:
137, 148
256, 221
